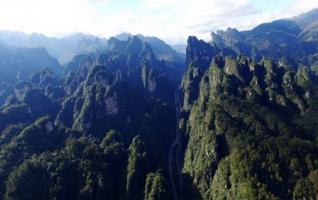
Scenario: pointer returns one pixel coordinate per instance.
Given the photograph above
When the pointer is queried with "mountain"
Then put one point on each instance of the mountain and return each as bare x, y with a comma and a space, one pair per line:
245, 129
286, 39
102, 129
129, 118
129, 71
248, 128
64, 48
67, 47
17, 64
162, 50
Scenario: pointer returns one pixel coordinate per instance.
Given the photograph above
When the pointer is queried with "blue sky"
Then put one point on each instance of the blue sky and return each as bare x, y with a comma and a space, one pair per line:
272, 5
171, 20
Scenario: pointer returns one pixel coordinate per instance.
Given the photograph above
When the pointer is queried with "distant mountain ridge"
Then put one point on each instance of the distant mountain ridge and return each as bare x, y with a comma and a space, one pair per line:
294, 39
64, 49
67, 47
161, 49
130, 118
17, 64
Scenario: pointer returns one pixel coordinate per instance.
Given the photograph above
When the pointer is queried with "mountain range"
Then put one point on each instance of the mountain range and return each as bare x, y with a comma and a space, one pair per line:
292, 39
131, 118
66, 47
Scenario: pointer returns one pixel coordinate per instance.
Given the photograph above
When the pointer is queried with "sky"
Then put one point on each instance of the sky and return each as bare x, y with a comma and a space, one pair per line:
171, 20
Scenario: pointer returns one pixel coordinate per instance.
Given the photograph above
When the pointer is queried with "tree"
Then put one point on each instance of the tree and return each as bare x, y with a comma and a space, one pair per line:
136, 169
156, 187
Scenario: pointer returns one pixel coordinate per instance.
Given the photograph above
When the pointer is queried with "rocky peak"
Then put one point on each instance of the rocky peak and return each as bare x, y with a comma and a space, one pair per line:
200, 52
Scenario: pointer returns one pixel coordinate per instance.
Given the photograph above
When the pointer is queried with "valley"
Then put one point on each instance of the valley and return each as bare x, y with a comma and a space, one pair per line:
131, 118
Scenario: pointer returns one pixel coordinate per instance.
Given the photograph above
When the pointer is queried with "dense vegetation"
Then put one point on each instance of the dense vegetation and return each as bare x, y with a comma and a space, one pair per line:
249, 129
109, 124
102, 129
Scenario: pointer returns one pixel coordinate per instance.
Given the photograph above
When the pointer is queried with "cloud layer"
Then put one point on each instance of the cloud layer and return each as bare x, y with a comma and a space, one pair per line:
172, 20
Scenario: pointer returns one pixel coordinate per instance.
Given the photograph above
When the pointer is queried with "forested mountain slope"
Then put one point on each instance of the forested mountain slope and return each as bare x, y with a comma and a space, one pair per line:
249, 128
122, 120
102, 130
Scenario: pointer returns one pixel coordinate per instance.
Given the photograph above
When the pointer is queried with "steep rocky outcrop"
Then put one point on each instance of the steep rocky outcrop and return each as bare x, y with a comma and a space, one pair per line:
115, 87
245, 130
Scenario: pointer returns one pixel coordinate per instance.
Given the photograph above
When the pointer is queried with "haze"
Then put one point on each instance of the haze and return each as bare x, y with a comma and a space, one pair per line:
171, 20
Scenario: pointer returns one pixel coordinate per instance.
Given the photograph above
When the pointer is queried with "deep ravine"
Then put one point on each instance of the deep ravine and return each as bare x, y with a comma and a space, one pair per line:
174, 151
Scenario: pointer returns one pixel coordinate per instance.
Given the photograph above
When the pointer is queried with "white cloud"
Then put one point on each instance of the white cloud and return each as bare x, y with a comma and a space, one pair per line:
172, 20
200, 17
46, 16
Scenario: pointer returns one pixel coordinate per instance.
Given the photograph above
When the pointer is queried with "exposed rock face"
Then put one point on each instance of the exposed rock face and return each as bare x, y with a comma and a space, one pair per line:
199, 57
114, 86
111, 105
